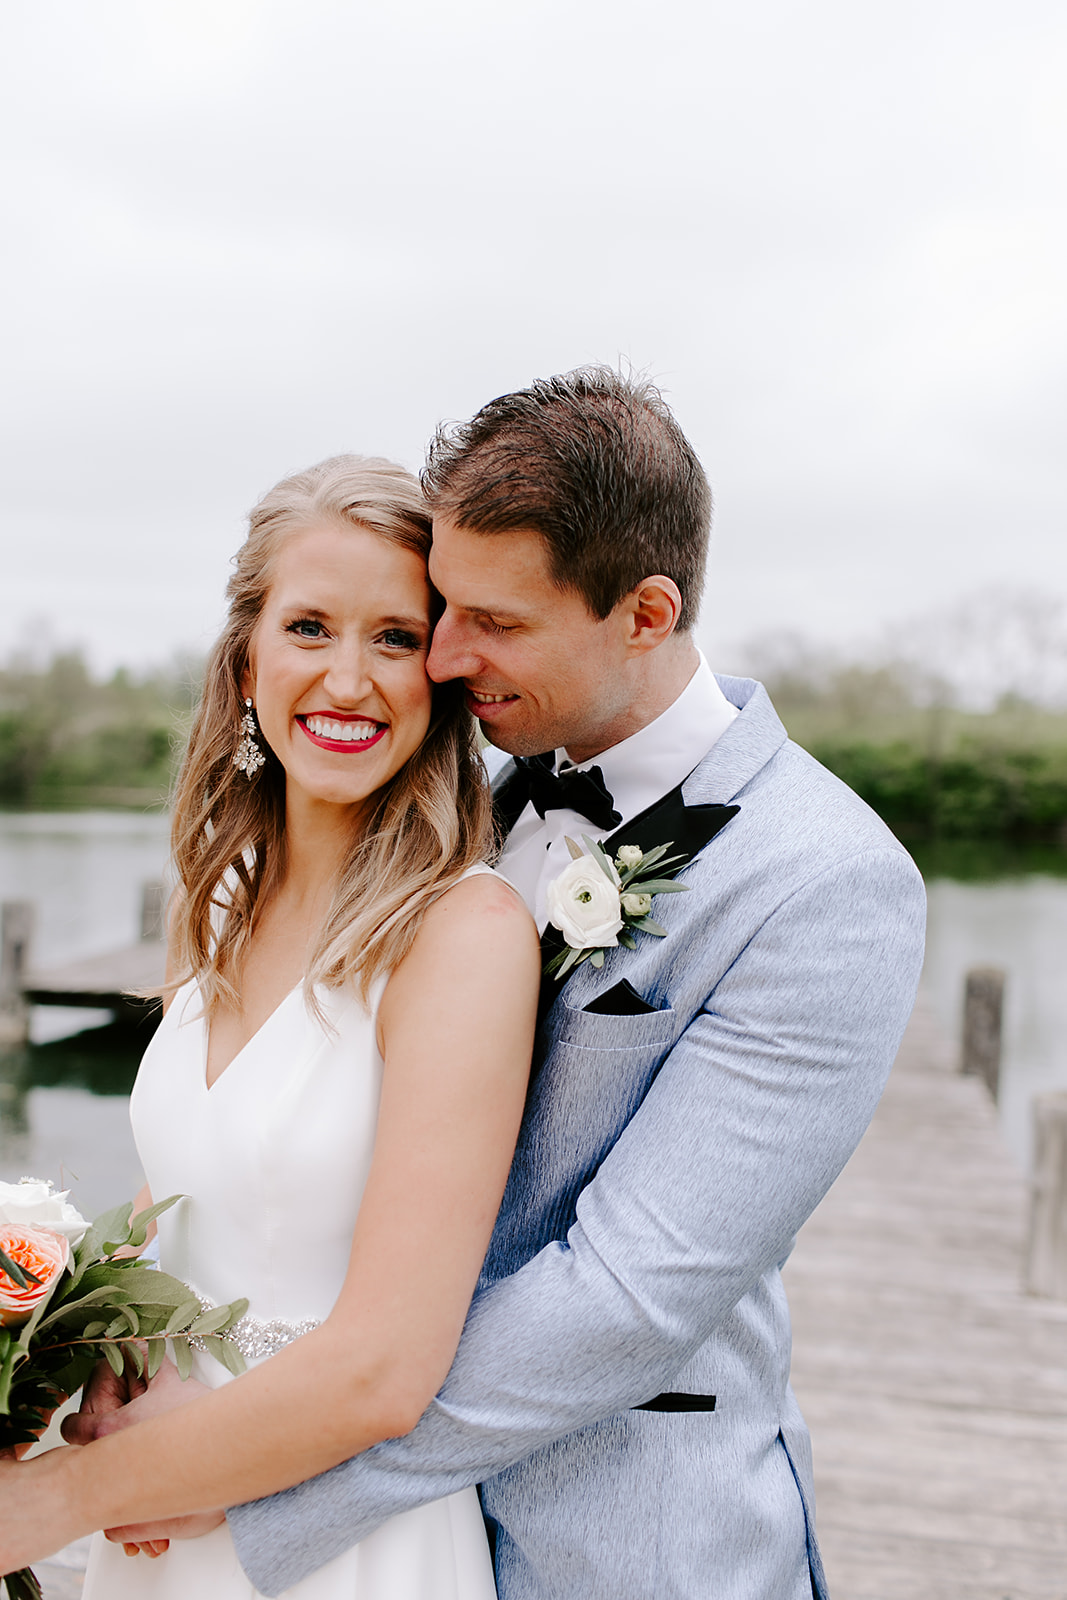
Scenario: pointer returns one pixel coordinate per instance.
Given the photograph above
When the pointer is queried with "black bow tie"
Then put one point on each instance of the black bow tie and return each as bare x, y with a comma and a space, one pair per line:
584, 792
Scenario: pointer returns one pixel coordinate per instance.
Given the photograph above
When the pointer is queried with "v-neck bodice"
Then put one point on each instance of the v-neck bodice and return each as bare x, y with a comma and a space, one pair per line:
239, 1052
273, 1156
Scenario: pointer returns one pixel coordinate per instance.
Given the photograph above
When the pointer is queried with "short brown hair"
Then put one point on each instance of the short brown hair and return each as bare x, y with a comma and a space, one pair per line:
595, 463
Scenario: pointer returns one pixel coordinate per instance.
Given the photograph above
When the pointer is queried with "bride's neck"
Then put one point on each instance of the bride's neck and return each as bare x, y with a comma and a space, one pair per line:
318, 843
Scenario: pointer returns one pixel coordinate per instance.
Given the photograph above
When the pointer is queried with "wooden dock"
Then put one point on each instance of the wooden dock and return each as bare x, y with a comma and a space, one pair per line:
110, 981
935, 1388
101, 981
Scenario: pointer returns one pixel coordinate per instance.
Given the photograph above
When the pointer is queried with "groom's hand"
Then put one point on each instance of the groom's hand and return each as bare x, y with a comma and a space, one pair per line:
104, 1395
111, 1401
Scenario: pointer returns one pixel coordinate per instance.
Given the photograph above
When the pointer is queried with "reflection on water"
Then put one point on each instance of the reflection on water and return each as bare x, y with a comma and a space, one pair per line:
1020, 925
63, 1101
64, 1114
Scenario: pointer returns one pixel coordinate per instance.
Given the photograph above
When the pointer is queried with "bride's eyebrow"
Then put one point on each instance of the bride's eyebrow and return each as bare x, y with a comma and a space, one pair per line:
414, 624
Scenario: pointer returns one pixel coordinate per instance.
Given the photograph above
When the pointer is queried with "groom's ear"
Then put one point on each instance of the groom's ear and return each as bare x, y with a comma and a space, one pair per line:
652, 612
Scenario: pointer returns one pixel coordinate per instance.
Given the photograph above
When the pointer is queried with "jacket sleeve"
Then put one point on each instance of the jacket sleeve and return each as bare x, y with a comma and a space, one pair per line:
752, 1115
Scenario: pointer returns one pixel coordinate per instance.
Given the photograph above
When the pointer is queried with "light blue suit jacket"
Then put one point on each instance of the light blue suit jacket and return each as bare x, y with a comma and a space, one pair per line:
665, 1164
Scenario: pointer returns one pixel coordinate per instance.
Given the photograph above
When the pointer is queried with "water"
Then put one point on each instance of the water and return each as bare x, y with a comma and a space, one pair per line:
1019, 924
63, 1101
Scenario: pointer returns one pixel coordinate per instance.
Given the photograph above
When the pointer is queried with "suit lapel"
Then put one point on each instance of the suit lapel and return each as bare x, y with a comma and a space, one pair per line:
510, 795
687, 827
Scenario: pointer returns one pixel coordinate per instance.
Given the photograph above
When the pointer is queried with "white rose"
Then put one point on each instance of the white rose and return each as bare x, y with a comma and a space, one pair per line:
34, 1203
637, 905
630, 855
584, 905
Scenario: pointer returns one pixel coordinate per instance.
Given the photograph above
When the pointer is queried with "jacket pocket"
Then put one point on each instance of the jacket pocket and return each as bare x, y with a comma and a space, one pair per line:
596, 1030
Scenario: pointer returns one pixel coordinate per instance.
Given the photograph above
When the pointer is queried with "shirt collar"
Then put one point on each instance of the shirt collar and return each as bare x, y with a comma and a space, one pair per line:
641, 769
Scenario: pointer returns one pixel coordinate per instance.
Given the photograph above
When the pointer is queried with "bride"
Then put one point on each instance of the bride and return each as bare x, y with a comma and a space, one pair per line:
337, 1082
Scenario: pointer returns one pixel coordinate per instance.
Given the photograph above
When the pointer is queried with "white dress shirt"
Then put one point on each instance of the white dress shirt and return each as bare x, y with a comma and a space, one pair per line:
638, 771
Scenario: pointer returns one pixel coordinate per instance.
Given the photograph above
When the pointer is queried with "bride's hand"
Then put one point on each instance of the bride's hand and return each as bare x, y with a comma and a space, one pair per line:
152, 1538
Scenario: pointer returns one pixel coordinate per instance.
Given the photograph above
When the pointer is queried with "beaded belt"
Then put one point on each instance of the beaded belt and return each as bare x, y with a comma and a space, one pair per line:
256, 1336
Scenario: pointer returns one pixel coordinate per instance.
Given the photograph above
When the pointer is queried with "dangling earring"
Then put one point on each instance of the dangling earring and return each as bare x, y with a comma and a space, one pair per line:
248, 757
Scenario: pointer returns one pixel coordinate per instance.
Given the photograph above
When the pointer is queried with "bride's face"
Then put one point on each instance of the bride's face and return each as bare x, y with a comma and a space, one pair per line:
337, 669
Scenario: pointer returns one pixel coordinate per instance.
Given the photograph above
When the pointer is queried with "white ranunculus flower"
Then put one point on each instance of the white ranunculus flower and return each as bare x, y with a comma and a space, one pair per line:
630, 855
34, 1203
585, 906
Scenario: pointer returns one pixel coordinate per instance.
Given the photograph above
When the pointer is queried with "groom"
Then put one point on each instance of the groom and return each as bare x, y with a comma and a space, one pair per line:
621, 1389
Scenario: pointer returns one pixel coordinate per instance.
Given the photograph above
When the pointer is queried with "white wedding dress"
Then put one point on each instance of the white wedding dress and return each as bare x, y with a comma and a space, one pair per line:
273, 1159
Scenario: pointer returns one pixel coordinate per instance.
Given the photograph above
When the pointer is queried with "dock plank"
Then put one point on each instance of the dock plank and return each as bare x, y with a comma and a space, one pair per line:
935, 1387
99, 980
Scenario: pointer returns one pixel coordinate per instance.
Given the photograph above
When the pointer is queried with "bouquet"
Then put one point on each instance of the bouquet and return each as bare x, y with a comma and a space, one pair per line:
67, 1298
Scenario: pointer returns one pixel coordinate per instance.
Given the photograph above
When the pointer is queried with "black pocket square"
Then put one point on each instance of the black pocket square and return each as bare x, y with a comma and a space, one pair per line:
621, 1001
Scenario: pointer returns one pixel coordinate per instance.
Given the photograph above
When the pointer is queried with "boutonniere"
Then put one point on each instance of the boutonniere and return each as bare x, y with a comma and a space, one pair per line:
598, 904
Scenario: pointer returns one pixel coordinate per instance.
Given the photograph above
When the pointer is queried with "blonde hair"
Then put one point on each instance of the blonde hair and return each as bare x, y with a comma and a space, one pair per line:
428, 824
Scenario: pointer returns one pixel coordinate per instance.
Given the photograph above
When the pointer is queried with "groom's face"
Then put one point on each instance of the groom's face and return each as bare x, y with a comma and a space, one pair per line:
540, 670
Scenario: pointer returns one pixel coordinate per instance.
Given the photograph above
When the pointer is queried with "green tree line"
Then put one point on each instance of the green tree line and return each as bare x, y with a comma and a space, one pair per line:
72, 740
932, 770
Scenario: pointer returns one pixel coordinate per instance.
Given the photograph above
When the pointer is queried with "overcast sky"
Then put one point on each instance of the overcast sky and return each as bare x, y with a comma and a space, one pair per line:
243, 236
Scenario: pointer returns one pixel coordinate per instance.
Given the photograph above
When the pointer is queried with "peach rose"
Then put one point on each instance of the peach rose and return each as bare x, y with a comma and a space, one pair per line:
38, 1251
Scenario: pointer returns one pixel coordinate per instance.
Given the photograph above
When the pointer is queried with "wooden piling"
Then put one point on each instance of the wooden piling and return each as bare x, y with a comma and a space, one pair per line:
153, 909
983, 1013
16, 932
1046, 1263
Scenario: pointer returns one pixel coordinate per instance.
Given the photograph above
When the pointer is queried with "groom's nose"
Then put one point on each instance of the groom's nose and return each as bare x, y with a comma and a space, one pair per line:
451, 652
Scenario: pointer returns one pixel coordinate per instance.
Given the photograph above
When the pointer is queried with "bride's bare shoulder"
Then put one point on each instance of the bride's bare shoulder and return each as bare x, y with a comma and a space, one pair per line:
477, 927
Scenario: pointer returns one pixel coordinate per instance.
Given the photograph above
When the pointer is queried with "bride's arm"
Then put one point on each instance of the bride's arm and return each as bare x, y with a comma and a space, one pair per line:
456, 1022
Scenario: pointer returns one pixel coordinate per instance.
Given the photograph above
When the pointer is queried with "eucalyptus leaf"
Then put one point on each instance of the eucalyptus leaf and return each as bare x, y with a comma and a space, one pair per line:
225, 1352
126, 1322
627, 938
135, 1354
596, 959
211, 1321
662, 886
570, 960
12, 1358
94, 1330
21, 1585
114, 1359
181, 1316
110, 1224
183, 1357
647, 925
140, 1223
602, 861
157, 1349
106, 1295
650, 857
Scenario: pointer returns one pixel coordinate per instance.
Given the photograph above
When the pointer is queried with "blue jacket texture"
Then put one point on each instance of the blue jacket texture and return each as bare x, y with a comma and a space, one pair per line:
667, 1158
